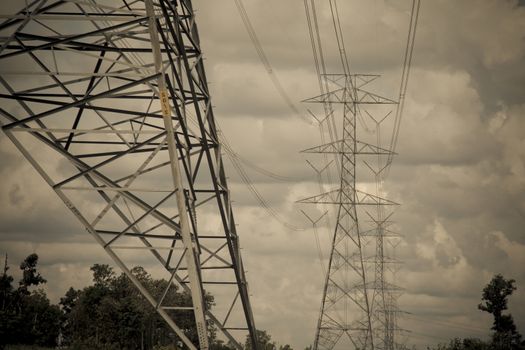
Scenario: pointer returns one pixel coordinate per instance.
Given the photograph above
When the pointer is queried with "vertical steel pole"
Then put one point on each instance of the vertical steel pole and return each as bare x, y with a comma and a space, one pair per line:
191, 255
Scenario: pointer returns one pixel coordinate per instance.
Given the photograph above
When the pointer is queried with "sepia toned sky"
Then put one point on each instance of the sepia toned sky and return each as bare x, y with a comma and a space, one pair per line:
460, 173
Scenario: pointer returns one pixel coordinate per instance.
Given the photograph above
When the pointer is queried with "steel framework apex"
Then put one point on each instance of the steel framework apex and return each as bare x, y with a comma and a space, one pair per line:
108, 100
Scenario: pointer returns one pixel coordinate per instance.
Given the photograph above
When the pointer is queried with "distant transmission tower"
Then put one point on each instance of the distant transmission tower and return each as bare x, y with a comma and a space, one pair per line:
359, 303
108, 101
347, 311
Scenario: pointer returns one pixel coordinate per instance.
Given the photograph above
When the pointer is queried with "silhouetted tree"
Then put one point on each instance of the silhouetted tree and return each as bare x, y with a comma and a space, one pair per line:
219, 345
30, 276
112, 314
6, 287
263, 341
494, 300
464, 344
27, 317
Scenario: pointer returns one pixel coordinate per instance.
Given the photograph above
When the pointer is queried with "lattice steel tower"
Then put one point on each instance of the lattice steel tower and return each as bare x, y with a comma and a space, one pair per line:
108, 100
359, 302
347, 312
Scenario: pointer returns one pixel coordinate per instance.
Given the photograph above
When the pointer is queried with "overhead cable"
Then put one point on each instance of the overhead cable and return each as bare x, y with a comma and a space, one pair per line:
414, 15
264, 60
251, 187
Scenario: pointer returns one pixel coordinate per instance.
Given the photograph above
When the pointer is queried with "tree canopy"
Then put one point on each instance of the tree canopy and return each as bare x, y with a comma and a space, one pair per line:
27, 317
494, 300
109, 314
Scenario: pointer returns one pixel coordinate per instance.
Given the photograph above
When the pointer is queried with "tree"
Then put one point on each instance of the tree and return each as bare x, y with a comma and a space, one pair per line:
39, 320
30, 276
6, 306
219, 345
103, 274
112, 314
464, 344
27, 317
6, 287
68, 301
494, 300
263, 341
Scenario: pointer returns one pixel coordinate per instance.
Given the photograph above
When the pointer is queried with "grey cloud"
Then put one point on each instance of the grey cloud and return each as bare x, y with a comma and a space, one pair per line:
459, 173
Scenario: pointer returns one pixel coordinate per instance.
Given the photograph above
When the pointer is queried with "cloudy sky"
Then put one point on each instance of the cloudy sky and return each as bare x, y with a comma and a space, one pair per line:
460, 173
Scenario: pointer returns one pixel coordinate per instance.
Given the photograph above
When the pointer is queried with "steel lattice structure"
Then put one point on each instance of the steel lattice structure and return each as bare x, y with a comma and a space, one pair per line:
353, 303
108, 100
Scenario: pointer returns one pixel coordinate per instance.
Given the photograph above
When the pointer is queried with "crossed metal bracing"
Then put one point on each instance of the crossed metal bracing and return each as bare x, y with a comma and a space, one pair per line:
108, 100
359, 303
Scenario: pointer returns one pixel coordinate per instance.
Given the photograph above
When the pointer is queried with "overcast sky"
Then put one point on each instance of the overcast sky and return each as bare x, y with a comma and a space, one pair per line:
460, 173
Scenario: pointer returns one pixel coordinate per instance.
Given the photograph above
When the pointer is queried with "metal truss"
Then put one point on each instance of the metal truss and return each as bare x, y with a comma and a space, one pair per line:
108, 100
357, 304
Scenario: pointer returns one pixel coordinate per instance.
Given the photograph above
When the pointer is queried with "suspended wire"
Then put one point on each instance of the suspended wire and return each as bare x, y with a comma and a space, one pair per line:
320, 67
461, 326
315, 41
264, 60
314, 47
324, 86
414, 16
249, 184
270, 174
423, 335
339, 37
319, 251
235, 159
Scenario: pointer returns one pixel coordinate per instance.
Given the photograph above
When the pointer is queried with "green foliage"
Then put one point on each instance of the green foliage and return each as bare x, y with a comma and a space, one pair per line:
38, 321
264, 342
219, 345
464, 344
112, 314
494, 300
285, 347
6, 286
27, 317
103, 275
30, 277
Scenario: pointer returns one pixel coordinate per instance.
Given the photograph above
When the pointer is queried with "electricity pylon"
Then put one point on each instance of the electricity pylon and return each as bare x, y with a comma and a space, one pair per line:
352, 312
108, 101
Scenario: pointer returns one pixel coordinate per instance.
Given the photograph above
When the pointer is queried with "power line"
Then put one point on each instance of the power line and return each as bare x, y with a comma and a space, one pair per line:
462, 326
256, 167
320, 67
265, 61
423, 335
249, 184
414, 16
236, 160
387, 326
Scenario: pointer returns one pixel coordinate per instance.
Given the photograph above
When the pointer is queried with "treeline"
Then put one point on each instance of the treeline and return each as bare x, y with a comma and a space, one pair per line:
109, 314
25, 315
505, 336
